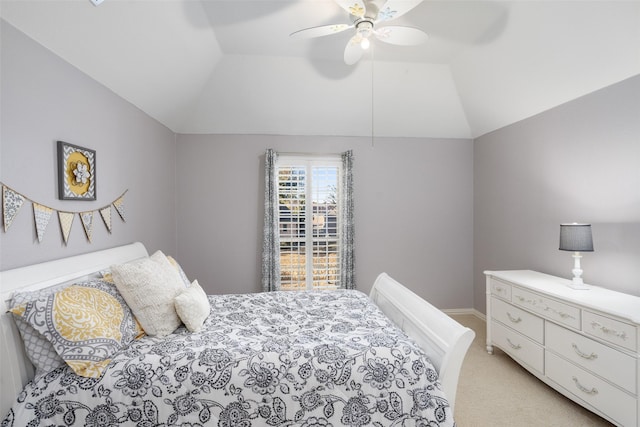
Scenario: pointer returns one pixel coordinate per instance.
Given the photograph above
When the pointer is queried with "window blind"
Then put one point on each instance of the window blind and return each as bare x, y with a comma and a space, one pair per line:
309, 223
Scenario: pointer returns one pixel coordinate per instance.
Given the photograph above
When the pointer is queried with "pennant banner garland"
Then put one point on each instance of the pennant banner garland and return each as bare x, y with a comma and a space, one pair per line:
119, 205
42, 215
11, 204
12, 201
66, 221
87, 222
105, 213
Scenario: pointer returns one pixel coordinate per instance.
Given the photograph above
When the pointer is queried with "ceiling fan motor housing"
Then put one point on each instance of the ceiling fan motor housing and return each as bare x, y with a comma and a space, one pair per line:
364, 27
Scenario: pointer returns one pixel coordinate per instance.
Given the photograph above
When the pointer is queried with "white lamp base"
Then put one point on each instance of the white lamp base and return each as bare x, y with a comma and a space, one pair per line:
577, 282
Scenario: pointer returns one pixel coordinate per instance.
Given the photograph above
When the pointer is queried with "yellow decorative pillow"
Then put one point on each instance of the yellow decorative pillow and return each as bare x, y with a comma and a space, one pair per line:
86, 324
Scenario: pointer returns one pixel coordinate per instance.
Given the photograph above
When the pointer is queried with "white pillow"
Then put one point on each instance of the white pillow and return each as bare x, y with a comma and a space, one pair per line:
192, 306
149, 286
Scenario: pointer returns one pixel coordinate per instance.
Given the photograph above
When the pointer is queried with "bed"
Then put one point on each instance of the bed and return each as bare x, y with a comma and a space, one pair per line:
281, 358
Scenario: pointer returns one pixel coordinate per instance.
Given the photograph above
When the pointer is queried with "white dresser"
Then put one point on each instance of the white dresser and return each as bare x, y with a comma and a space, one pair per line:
583, 343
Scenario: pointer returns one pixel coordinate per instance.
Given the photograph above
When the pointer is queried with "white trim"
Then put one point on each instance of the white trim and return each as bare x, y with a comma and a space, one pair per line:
309, 163
304, 159
465, 311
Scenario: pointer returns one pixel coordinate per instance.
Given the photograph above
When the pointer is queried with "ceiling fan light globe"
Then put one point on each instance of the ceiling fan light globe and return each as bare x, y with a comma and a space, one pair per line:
365, 43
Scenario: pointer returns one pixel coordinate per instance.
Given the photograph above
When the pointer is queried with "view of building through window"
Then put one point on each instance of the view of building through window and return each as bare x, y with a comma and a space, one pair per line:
309, 224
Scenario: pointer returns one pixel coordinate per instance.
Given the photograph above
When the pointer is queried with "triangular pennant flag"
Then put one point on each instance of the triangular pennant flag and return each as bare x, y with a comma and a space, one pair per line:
66, 220
87, 222
41, 215
119, 205
105, 213
11, 204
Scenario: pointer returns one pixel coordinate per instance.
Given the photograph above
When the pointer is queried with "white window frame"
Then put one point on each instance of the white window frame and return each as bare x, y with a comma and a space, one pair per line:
308, 161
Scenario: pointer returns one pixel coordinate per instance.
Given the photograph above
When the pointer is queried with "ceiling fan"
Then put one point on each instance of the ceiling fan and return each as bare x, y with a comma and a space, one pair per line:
365, 16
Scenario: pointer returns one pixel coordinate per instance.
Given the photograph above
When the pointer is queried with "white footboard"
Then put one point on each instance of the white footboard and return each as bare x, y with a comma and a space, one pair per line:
443, 339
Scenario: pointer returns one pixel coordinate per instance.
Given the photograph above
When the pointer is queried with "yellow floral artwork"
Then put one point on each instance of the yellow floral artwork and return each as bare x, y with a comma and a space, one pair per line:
77, 172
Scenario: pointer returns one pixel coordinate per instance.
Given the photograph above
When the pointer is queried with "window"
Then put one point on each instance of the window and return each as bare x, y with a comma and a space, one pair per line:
309, 221
309, 217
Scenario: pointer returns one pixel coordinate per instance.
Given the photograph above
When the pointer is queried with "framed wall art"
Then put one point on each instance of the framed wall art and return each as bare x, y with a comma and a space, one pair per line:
76, 172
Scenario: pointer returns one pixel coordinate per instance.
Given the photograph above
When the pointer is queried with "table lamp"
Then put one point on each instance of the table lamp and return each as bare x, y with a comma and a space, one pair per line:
576, 238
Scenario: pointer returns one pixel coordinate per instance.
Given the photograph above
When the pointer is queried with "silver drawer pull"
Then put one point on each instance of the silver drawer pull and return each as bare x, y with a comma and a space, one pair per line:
583, 355
543, 306
514, 346
513, 319
605, 330
499, 289
583, 388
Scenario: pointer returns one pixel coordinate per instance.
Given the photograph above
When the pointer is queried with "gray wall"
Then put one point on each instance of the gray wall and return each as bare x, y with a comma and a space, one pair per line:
44, 99
579, 162
414, 213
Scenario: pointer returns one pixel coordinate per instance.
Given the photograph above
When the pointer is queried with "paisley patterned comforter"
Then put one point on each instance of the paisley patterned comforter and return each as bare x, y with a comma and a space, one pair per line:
268, 359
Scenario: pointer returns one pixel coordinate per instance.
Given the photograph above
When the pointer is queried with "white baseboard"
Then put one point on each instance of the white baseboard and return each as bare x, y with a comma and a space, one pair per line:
465, 311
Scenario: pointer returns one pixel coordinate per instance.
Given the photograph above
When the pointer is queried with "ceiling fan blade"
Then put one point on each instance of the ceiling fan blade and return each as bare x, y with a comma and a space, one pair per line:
393, 9
323, 30
353, 51
403, 36
354, 7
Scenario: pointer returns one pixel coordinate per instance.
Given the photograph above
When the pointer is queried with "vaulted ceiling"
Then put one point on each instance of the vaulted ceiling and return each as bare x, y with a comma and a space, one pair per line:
230, 66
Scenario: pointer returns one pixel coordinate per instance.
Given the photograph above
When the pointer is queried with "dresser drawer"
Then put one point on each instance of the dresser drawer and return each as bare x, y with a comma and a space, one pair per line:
522, 321
613, 331
550, 308
615, 366
518, 346
501, 289
611, 401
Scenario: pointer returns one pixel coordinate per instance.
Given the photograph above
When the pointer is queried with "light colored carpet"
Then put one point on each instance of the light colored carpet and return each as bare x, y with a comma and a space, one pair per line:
494, 391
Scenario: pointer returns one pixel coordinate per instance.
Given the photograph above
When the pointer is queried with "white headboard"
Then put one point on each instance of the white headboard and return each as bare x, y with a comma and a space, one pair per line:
15, 368
443, 339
